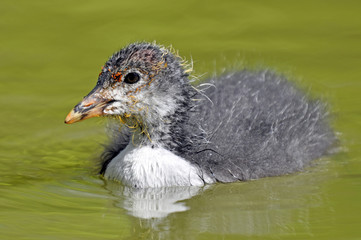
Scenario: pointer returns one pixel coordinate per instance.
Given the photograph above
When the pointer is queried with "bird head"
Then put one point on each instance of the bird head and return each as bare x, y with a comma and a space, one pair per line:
141, 83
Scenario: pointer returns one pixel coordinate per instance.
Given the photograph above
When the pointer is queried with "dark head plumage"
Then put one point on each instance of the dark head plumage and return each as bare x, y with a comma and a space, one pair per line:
146, 86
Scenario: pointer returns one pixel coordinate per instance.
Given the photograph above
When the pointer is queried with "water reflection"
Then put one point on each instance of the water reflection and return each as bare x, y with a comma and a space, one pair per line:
152, 202
280, 206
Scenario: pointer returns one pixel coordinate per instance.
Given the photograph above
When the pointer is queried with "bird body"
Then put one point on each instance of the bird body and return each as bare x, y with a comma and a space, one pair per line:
153, 167
240, 126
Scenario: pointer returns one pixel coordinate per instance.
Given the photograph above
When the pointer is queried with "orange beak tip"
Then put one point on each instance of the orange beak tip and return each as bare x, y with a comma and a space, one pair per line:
72, 117
67, 122
88, 108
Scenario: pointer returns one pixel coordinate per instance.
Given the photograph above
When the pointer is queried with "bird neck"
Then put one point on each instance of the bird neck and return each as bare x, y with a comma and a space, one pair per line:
173, 131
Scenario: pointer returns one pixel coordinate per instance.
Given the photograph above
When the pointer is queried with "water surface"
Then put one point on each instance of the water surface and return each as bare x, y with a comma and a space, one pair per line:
50, 56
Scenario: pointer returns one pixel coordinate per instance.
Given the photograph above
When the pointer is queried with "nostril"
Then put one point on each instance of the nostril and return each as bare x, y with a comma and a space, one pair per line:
88, 104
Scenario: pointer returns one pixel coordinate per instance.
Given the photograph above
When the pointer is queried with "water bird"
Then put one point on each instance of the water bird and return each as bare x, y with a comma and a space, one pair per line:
239, 126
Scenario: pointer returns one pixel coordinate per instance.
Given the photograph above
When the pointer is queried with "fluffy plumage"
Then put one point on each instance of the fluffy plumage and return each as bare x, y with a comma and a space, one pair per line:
244, 125
259, 125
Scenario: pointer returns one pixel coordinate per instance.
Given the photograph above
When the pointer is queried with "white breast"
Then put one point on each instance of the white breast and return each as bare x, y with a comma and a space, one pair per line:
153, 167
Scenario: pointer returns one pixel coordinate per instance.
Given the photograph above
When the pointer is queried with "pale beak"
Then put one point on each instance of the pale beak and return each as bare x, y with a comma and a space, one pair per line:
90, 107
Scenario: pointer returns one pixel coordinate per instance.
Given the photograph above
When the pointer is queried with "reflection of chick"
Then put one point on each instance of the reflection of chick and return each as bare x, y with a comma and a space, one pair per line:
244, 125
150, 203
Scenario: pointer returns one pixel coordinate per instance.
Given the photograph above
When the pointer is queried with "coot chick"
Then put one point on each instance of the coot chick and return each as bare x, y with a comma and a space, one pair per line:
240, 126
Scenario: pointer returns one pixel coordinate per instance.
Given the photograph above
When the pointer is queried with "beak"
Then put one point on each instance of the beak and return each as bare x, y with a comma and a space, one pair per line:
91, 106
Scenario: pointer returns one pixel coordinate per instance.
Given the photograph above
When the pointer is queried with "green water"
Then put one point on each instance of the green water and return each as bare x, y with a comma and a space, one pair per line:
50, 56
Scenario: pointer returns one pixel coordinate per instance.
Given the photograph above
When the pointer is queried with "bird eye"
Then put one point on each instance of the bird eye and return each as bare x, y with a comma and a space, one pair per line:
131, 78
